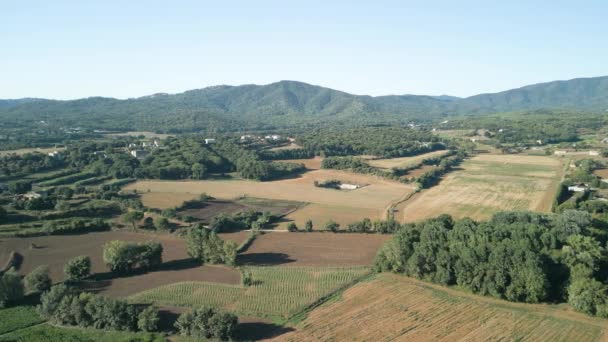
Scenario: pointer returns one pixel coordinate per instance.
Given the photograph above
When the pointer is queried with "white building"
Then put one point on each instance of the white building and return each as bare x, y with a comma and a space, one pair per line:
209, 141
139, 154
579, 188
594, 153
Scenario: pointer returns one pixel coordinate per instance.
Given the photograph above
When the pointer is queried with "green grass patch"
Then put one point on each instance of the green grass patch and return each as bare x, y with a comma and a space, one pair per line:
19, 317
277, 293
47, 332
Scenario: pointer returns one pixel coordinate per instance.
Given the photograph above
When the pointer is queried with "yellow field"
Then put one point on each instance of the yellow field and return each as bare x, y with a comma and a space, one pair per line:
487, 184
370, 201
324, 213
390, 163
21, 151
392, 307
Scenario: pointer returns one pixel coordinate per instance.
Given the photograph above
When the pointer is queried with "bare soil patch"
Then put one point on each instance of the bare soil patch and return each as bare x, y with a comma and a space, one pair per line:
55, 251
313, 249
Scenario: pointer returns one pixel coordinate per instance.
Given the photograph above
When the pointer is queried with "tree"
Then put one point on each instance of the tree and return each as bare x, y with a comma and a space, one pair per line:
50, 300
78, 268
161, 223
20, 187
308, 226
587, 295
11, 288
38, 280
148, 319
132, 217
149, 223
292, 227
198, 171
122, 256
332, 226
207, 323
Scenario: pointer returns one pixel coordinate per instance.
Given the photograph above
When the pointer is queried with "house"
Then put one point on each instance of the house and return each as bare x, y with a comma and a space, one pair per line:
139, 154
581, 187
594, 153
559, 152
540, 142
273, 137
55, 154
209, 141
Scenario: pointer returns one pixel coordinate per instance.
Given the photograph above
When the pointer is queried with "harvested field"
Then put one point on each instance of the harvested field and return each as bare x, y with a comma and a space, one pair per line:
486, 184
392, 307
165, 200
214, 207
147, 135
420, 171
370, 201
313, 249
321, 214
390, 163
55, 251
311, 164
277, 292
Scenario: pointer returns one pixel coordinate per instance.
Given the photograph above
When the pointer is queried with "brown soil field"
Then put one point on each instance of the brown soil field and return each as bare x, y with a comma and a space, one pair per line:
486, 184
323, 213
214, 207
419, 171
395, 308
390, 163
313, 249
55, 251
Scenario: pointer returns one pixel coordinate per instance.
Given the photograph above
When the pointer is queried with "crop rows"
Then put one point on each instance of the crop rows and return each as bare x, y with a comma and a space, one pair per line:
277, 292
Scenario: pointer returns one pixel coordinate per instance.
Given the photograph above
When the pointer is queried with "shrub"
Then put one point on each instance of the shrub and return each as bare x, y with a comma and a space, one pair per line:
148, 319
11, 288
38, 280
123, 257
161, 223
332, 226
308, 226
292, 227
206, 322
78, 268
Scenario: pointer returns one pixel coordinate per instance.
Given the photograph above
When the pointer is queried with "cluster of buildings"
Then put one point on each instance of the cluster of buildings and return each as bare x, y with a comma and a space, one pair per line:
141, 150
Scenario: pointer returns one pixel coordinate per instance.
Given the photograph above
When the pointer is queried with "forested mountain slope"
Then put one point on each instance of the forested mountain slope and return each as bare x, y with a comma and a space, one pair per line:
290, 103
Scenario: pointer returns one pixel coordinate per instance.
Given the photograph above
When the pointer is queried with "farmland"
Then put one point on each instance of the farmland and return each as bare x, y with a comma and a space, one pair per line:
486, 184
345, 206
277, 292
313, 249
54, 251
22, 151
392, 307
404, 161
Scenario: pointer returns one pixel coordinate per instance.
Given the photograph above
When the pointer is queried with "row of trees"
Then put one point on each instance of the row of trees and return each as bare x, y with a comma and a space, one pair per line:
67, 306
518, 256
207, 323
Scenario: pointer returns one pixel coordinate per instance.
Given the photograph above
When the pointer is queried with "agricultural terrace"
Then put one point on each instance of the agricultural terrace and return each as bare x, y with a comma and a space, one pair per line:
313, 249
486, 184
55, 251
370, 201
400, 308
390, 163
276, 293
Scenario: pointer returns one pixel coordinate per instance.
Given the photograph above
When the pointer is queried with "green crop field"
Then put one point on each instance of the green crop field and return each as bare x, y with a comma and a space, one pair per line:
19, 317
277, 292
47, 332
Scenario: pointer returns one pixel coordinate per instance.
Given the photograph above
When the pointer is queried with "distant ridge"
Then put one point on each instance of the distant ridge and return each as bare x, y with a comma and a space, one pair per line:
293, 103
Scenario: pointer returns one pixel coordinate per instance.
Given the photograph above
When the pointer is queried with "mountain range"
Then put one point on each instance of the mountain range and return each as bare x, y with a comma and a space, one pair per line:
289, 104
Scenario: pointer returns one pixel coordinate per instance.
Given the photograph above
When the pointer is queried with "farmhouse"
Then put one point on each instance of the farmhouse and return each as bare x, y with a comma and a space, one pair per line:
272, 137
139, 154
209, 141
559, 152
55, 154
594, 153
579, 188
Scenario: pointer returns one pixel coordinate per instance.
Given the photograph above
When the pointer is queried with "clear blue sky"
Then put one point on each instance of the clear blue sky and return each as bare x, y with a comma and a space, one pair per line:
72, 49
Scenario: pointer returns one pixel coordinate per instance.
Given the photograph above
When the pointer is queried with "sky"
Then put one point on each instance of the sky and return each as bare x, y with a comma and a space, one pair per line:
72, 49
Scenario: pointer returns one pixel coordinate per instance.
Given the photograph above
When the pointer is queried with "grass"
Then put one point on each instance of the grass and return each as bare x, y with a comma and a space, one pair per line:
47, 332
19, 317
394, 307
277, 293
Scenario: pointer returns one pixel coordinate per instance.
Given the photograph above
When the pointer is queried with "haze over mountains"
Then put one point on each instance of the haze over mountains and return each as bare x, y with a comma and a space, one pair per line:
287, 103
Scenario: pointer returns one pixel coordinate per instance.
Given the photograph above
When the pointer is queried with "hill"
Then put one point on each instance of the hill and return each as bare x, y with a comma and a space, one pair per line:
294, 104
